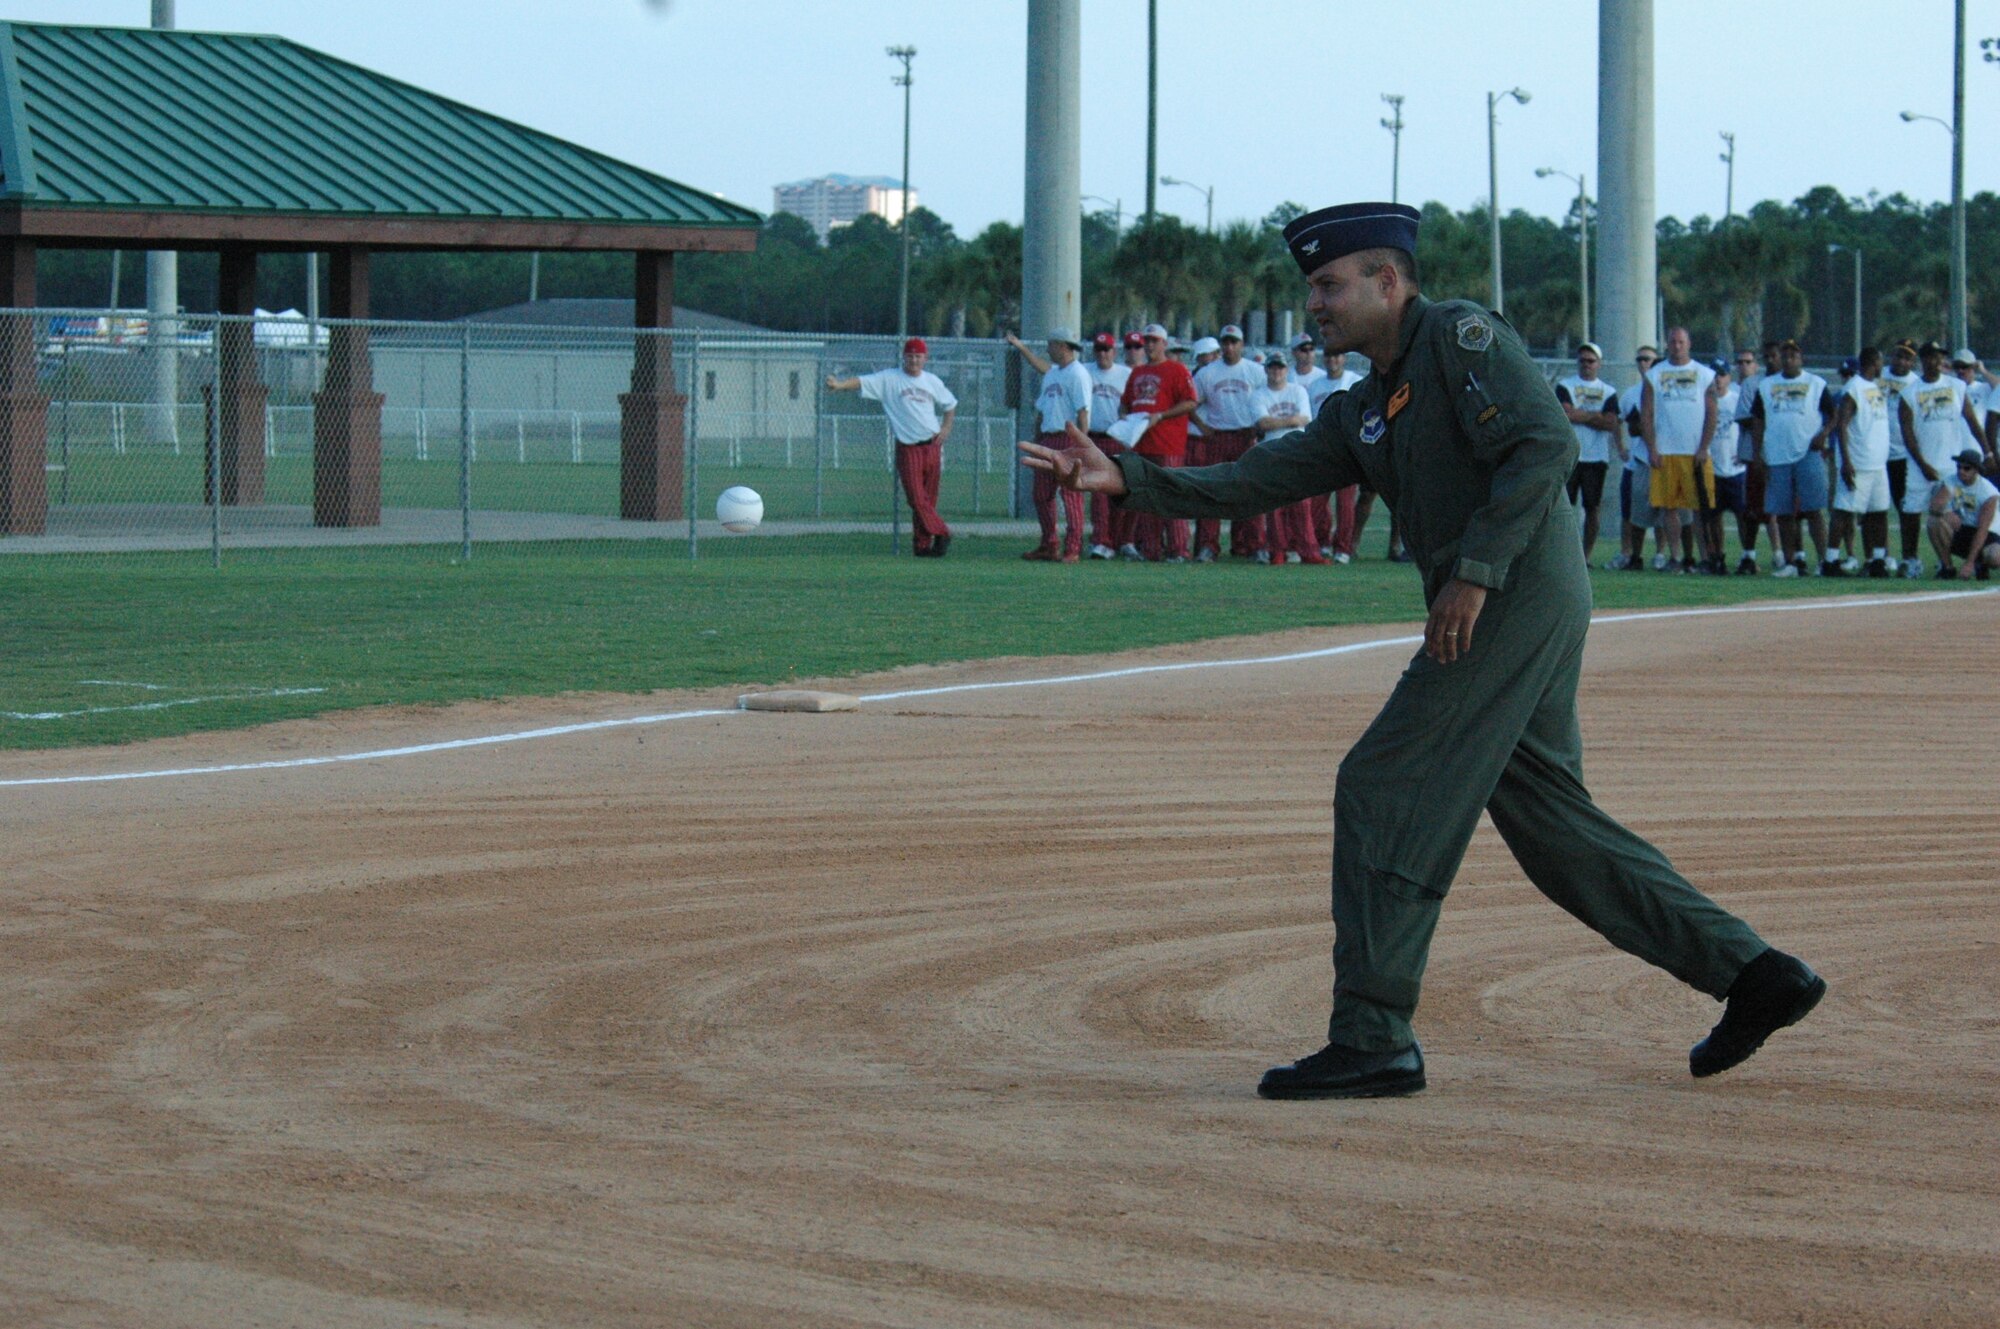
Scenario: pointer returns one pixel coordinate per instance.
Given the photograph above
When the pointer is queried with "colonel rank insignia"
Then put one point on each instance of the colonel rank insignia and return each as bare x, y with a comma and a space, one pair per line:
1474, 333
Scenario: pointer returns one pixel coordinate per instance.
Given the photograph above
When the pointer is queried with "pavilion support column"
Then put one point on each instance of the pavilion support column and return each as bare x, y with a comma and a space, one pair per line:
24, 409
347, 411
240, 416
653, 428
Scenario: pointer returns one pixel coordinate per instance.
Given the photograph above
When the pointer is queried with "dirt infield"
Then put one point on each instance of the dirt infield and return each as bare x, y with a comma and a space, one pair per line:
948, 1012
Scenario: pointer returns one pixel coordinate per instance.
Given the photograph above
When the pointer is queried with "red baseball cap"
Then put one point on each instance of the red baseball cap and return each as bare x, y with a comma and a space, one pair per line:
1134, 342
1104, 341
916, 344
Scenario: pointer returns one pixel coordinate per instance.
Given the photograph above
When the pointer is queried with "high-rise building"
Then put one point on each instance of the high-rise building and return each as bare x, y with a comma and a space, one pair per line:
836, 200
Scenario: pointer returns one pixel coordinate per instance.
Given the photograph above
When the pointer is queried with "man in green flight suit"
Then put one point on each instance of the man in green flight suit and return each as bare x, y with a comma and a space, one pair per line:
1458, 431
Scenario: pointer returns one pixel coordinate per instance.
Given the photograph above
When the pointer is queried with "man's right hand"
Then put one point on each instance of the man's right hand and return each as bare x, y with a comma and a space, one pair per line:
1080, 466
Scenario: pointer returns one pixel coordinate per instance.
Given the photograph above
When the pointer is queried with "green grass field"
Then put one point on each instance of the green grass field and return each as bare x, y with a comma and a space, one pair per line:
89, 637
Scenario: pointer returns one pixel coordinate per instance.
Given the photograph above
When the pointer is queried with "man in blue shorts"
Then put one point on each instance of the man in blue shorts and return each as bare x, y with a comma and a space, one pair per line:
1789, 422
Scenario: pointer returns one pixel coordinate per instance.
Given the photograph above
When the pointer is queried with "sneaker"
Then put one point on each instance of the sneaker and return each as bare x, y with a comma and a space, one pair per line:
1177, 558
1204, 556
1913, 568
1788, 570
1619, 564
1746, 566
1799, 562
1326, 551
940, 545
1832, 567
1661, 563
1130, 552
1263, 556
1945, 572
1294, 557
1687, 567
1877, 568
1850, 565
1399, 555
1717, 567
1343, 558
1102, 551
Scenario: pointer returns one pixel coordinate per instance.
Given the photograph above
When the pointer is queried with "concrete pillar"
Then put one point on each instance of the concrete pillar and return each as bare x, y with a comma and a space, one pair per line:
24, 409
163, 301
1051, 226
241, 414
653, 416
1627, 272
347, 411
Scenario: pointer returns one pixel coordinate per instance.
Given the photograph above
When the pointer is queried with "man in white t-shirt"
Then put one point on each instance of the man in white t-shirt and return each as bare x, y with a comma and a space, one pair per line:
1861, 454
1281, 407
911, 398
1592, 407
1935, 419
1109, 527
1902, 371
1678, 412
1963, 524
1726, 458
1065, 399
1789, 423
1223, 389
1636, 479
1337, 517
1979, 384
1304, 372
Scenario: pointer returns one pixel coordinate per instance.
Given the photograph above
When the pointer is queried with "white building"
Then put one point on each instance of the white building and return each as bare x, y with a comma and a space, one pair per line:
836, 200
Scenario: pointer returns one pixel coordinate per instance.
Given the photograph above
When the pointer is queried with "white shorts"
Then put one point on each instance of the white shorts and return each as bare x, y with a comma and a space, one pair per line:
1917, 491
1870, 492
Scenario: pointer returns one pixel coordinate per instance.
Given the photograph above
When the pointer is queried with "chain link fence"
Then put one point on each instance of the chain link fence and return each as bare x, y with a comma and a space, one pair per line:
226, 435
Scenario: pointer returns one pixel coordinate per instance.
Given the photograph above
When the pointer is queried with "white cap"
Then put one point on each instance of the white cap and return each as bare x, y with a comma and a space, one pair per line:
1207, 346
1303, 339
1965, 357
1065, 336
1154, 330
1230, 332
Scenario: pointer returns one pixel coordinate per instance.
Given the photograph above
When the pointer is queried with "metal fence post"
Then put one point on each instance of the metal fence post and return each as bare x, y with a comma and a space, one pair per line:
896, 492
465, 442
693, 442
215, 445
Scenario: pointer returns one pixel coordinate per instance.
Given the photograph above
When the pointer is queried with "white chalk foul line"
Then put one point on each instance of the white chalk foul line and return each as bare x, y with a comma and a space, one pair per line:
589, 726
258, 695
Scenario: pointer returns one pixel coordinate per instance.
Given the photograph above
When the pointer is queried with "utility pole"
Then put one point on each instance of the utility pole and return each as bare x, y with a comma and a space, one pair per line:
1493, 100
163, 301
902, 80
1729, 178
1152, 104
1394, 124
1960, 331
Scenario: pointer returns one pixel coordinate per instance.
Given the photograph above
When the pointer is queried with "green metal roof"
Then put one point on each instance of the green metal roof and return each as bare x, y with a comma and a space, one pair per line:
139, 120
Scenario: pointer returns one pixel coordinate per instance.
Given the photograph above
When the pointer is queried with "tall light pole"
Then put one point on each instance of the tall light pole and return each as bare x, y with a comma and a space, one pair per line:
1152, 106
1627, 278
1582, 234
1856, 251
163, 301
1394, 124
902, 80
1207, 191
1959, 336
1728, 158
1493, 100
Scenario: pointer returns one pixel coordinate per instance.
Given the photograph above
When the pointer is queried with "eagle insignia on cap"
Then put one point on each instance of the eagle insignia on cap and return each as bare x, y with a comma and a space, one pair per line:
1310, 247
1474, 333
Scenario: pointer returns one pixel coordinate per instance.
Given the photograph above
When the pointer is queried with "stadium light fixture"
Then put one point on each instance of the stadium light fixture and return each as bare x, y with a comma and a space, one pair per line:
906, 54
1493, 100
1583, 238
1207, 191
1394, 124
1959, 333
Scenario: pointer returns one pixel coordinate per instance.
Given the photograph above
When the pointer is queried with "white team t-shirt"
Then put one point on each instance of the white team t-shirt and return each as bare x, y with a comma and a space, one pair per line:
1866, 438
1680, 403
1636, 456
1107, 392
911, 401
1065, 393
1937, 410
1288, 400
1892, 388
1791, 415
1966, 500
1305, 380
1327, 384
1223, 393
1725, 450
1590, 394
1980, 393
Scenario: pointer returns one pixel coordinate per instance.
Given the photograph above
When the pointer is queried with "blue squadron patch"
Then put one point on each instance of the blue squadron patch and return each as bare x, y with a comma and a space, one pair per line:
1372, 426
1474, 333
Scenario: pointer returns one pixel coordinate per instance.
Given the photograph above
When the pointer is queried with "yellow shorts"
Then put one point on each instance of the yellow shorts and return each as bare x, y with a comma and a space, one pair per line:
1678, 483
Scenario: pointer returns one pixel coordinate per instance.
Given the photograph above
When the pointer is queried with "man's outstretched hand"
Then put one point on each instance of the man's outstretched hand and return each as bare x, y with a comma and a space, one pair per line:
1080, 466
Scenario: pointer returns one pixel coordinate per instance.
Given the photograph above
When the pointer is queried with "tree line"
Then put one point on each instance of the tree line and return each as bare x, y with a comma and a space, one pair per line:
1779, 270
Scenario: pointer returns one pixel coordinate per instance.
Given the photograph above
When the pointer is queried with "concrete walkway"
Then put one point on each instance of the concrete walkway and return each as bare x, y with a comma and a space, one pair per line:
116, 528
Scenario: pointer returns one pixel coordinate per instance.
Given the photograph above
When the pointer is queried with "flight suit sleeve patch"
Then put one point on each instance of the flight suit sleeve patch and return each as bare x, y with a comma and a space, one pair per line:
1474, 333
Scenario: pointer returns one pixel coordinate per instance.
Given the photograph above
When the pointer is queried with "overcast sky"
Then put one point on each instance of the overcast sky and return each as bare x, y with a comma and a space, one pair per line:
1266, 102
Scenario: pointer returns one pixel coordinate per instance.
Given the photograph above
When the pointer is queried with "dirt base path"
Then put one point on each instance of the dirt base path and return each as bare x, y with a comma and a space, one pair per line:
949, 1011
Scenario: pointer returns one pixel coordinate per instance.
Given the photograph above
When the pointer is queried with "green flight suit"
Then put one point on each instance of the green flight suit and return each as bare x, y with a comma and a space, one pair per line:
1463, 438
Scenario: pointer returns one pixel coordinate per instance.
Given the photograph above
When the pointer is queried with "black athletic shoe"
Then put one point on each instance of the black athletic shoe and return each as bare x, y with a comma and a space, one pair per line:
1341, 1072
939, 544
1832, 567
1945, 572
1399, 555
1746, 566
1773, 991
1877, 569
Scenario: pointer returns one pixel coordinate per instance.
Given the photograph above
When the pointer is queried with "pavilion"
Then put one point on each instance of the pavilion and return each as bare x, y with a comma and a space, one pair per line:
136, 138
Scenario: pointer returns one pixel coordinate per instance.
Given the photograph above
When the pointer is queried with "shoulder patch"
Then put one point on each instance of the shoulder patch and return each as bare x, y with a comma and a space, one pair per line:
1474, 333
